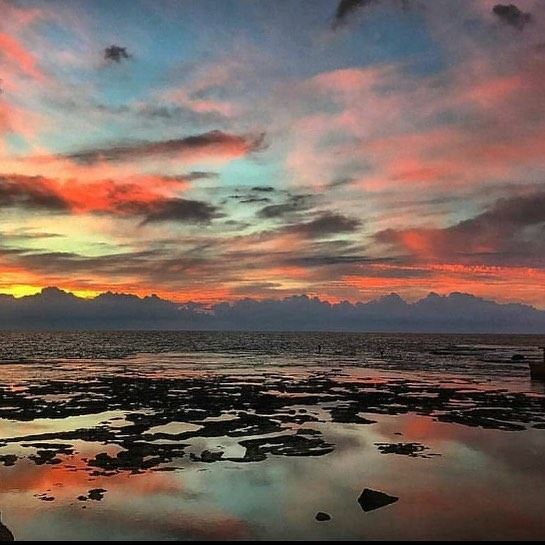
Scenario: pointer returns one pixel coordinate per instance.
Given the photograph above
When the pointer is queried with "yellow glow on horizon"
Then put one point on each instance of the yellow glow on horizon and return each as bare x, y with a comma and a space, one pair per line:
22, 290
85, 294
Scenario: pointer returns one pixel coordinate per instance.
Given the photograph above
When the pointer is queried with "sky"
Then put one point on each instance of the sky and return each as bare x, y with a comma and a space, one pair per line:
217, 150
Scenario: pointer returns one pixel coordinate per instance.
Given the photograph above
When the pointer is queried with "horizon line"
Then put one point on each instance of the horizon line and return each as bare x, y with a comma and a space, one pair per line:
79, 295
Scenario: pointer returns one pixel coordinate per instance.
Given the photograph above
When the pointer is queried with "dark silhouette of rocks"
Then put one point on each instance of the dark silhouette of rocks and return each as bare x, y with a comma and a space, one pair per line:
322, 517
5, 532
257, 409
96, 494
8, 459
414, 450
372, 499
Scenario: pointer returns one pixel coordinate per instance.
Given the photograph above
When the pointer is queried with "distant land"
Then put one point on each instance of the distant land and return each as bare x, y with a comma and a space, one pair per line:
55, 309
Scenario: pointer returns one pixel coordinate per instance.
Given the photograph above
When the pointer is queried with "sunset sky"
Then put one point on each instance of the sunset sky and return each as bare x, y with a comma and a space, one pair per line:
214, 149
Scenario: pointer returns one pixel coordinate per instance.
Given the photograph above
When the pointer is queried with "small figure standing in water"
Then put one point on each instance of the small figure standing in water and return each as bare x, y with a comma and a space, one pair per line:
319, 349
5, 532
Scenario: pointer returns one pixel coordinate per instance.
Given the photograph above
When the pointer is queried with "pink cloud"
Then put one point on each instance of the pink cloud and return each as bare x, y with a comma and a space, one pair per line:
18, 58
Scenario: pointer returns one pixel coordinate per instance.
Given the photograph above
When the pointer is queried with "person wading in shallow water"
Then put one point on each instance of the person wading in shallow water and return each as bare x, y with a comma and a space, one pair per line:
5, 532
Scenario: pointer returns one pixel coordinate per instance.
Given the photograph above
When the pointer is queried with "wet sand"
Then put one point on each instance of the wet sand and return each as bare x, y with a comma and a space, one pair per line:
144, 449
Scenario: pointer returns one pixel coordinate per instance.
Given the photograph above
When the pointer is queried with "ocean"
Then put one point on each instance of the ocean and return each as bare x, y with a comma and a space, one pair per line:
189, 435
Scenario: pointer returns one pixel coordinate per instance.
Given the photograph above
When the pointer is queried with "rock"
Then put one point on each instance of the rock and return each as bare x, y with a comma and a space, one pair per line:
414, 450
96, 494
372, 499
44, 497
5, 533
45, 457
348, 415
321, 516
211, 456
8, 459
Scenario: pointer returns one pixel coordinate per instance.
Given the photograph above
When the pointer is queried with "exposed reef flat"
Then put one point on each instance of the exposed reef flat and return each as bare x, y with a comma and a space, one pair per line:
152, 421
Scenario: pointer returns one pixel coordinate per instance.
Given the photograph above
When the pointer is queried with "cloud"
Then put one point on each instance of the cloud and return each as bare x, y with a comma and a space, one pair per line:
512, 15
199, 175
252, 200
347, 7
294, 204
340, 182
513, 227
25, 234
19, 58
508, 13
186, 178
31, 192
213, 143
179, 210
102, 197
328, 223
455, 312
116, 53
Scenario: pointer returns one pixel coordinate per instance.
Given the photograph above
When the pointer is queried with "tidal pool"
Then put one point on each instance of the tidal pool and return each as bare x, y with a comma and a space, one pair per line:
145, 448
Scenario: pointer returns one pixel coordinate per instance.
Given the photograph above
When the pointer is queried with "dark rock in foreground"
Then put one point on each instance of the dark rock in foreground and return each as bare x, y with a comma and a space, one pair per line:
321, 516
372, 499
96, 494
5, 533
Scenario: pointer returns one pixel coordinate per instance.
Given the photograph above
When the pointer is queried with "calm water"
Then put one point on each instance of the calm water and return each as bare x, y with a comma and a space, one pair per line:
125, 435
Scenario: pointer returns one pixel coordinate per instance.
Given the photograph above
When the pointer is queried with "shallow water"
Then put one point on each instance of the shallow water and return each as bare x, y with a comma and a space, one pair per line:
152, 436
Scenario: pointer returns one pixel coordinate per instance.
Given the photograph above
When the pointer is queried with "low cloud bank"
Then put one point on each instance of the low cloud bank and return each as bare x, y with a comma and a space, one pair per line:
454, 313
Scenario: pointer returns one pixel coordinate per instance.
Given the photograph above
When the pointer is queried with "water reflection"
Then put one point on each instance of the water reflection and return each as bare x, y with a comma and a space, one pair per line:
483, 485
166, 452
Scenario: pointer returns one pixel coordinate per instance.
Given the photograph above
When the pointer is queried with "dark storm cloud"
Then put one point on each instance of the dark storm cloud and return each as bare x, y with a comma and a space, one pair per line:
512, 15
214, 143
116, 53
30, 192
328, 223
